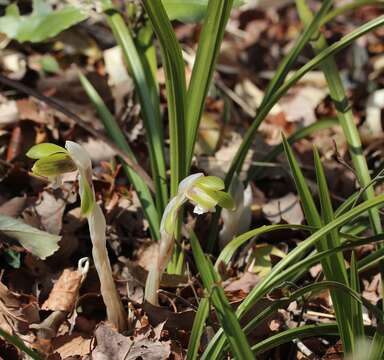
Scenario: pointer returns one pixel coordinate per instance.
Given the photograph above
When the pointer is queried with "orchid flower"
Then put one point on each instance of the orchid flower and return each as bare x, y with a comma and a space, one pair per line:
52, 161
204, 192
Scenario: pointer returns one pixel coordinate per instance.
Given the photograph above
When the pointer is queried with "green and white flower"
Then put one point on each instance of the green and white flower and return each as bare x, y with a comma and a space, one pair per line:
53, 161
205, 193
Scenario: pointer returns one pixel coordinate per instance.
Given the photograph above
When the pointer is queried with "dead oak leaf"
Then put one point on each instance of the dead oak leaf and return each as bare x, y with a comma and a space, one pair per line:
114, 346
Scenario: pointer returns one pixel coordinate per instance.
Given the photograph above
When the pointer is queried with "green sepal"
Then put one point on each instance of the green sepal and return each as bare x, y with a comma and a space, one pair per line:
87, 199
43, 150
203, 199
54, 165
210, 182
222, 199
225, 200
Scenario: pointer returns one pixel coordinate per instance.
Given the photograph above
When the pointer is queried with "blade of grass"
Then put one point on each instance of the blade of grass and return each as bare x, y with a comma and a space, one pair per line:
300, 294
346, 119
309, 289
377, 346
231, 326
275, 276
147, 51
18, 343
116, 134
176, 88
312, 27
241, 153
230, 249
238, 159
150, 111
197, 329
349, 7
216, 346
337, 264
302, 332
344, 114
357, 320
333, 267
208, 49
337, 270
326, 123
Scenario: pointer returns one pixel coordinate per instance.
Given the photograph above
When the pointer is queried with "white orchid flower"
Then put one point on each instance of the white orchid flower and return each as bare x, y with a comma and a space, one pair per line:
204, 192
52, 162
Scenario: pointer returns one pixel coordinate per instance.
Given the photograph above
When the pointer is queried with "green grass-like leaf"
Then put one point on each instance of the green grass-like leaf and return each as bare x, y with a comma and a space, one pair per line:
288, 267
150, 105
115, 133
231, 326
197, 329
175, 85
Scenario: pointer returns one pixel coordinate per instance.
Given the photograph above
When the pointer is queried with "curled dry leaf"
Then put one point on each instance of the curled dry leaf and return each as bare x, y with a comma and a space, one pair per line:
64, 293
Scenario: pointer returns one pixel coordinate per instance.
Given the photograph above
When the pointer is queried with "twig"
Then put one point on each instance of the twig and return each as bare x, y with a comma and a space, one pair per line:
55, 104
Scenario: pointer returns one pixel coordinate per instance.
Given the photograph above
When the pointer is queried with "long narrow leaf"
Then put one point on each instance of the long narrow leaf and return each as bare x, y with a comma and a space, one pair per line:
238, 159
302, 332
333, 268
275, 276
208, 49
230, 249
231, 326
256, 170
197, 329
145, 91
358, 323
175, 85
116, 134
241, 153
17, 342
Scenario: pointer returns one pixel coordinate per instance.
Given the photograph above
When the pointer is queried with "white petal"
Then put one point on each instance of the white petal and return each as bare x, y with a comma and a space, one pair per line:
173, 204
188, 182
78, 155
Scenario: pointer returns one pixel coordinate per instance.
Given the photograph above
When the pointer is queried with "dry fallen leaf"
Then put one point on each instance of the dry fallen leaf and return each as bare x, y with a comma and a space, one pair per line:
50, 210
114, 346
72, 345
64, 293
286, 208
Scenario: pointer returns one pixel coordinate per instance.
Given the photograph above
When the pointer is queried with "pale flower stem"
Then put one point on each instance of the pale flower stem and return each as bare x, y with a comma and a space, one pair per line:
115, 310
97, 229
157, 269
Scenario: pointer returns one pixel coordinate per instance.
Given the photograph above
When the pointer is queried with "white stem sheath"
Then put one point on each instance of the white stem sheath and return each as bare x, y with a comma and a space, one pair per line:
156, 271
97, 228
115, 310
